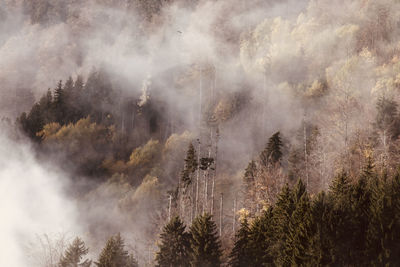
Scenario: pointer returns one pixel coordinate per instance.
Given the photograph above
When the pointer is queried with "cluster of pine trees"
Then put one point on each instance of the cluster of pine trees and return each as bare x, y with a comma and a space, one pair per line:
198, 247
113, 254
69, 102
355, 223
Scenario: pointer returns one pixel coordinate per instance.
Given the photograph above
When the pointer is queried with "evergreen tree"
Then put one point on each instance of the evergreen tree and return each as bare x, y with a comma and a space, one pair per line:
284, 208
73, 255
115, 255
174, 248
240, 255
322, 227
190, 166
340, 192
59, 103
360, 200
297, 247
249, 181
272, 154
383, 247
261, 240
205, 243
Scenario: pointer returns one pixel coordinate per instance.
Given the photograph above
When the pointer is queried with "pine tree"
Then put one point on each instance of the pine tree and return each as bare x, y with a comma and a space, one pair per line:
360, 200
59, 103
340, 187
73, 255
272, 154
322, 227
190, 165
340, 192
174, 248
284, 208
115, 255
249, 181
205, 243
262, 240
384, 228
297, 247
240, 255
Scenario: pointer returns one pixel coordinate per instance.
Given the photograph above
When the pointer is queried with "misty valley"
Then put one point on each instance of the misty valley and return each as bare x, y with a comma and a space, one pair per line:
199, 133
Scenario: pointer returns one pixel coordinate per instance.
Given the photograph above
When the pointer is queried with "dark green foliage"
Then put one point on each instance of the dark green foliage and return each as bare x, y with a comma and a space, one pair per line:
240, 255
174, 247
249, 180
261, 240
204, 242
283, 210
321, 242
190, 166
72, 257
297, 247
115, 255
272, 154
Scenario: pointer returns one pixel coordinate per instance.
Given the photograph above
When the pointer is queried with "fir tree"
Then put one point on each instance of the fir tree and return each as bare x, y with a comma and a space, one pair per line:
115, 255
261, 240
272, 154
59, 103
297, 250
190, 165
205, 244
322, 227
72, 257
174, 248
284, 208
240, 255
249, 181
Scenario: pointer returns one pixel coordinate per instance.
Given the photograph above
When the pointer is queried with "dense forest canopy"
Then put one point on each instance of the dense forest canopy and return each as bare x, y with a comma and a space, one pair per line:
199, 133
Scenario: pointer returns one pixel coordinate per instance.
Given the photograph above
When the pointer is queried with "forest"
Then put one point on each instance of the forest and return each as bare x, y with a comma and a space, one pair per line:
199, 133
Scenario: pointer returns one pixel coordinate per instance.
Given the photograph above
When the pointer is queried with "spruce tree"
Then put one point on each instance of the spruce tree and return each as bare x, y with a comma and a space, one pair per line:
205, 243
249, 181
115, 255
283, 210
360, 200
322, 227
190, 166
272, 154
240, 255
262, 240
174, 247
340, 192
59, 103
297, 246
72, 257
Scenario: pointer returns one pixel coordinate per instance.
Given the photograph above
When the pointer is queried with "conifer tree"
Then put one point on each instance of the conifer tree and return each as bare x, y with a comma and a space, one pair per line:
262, 240
72, 257
190, 165
322, 227
340, 192
115, 255
284, 208
297, 250
360, 200
272, 154
205, 243
240, 255
249, 181
174, 247
59, 103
